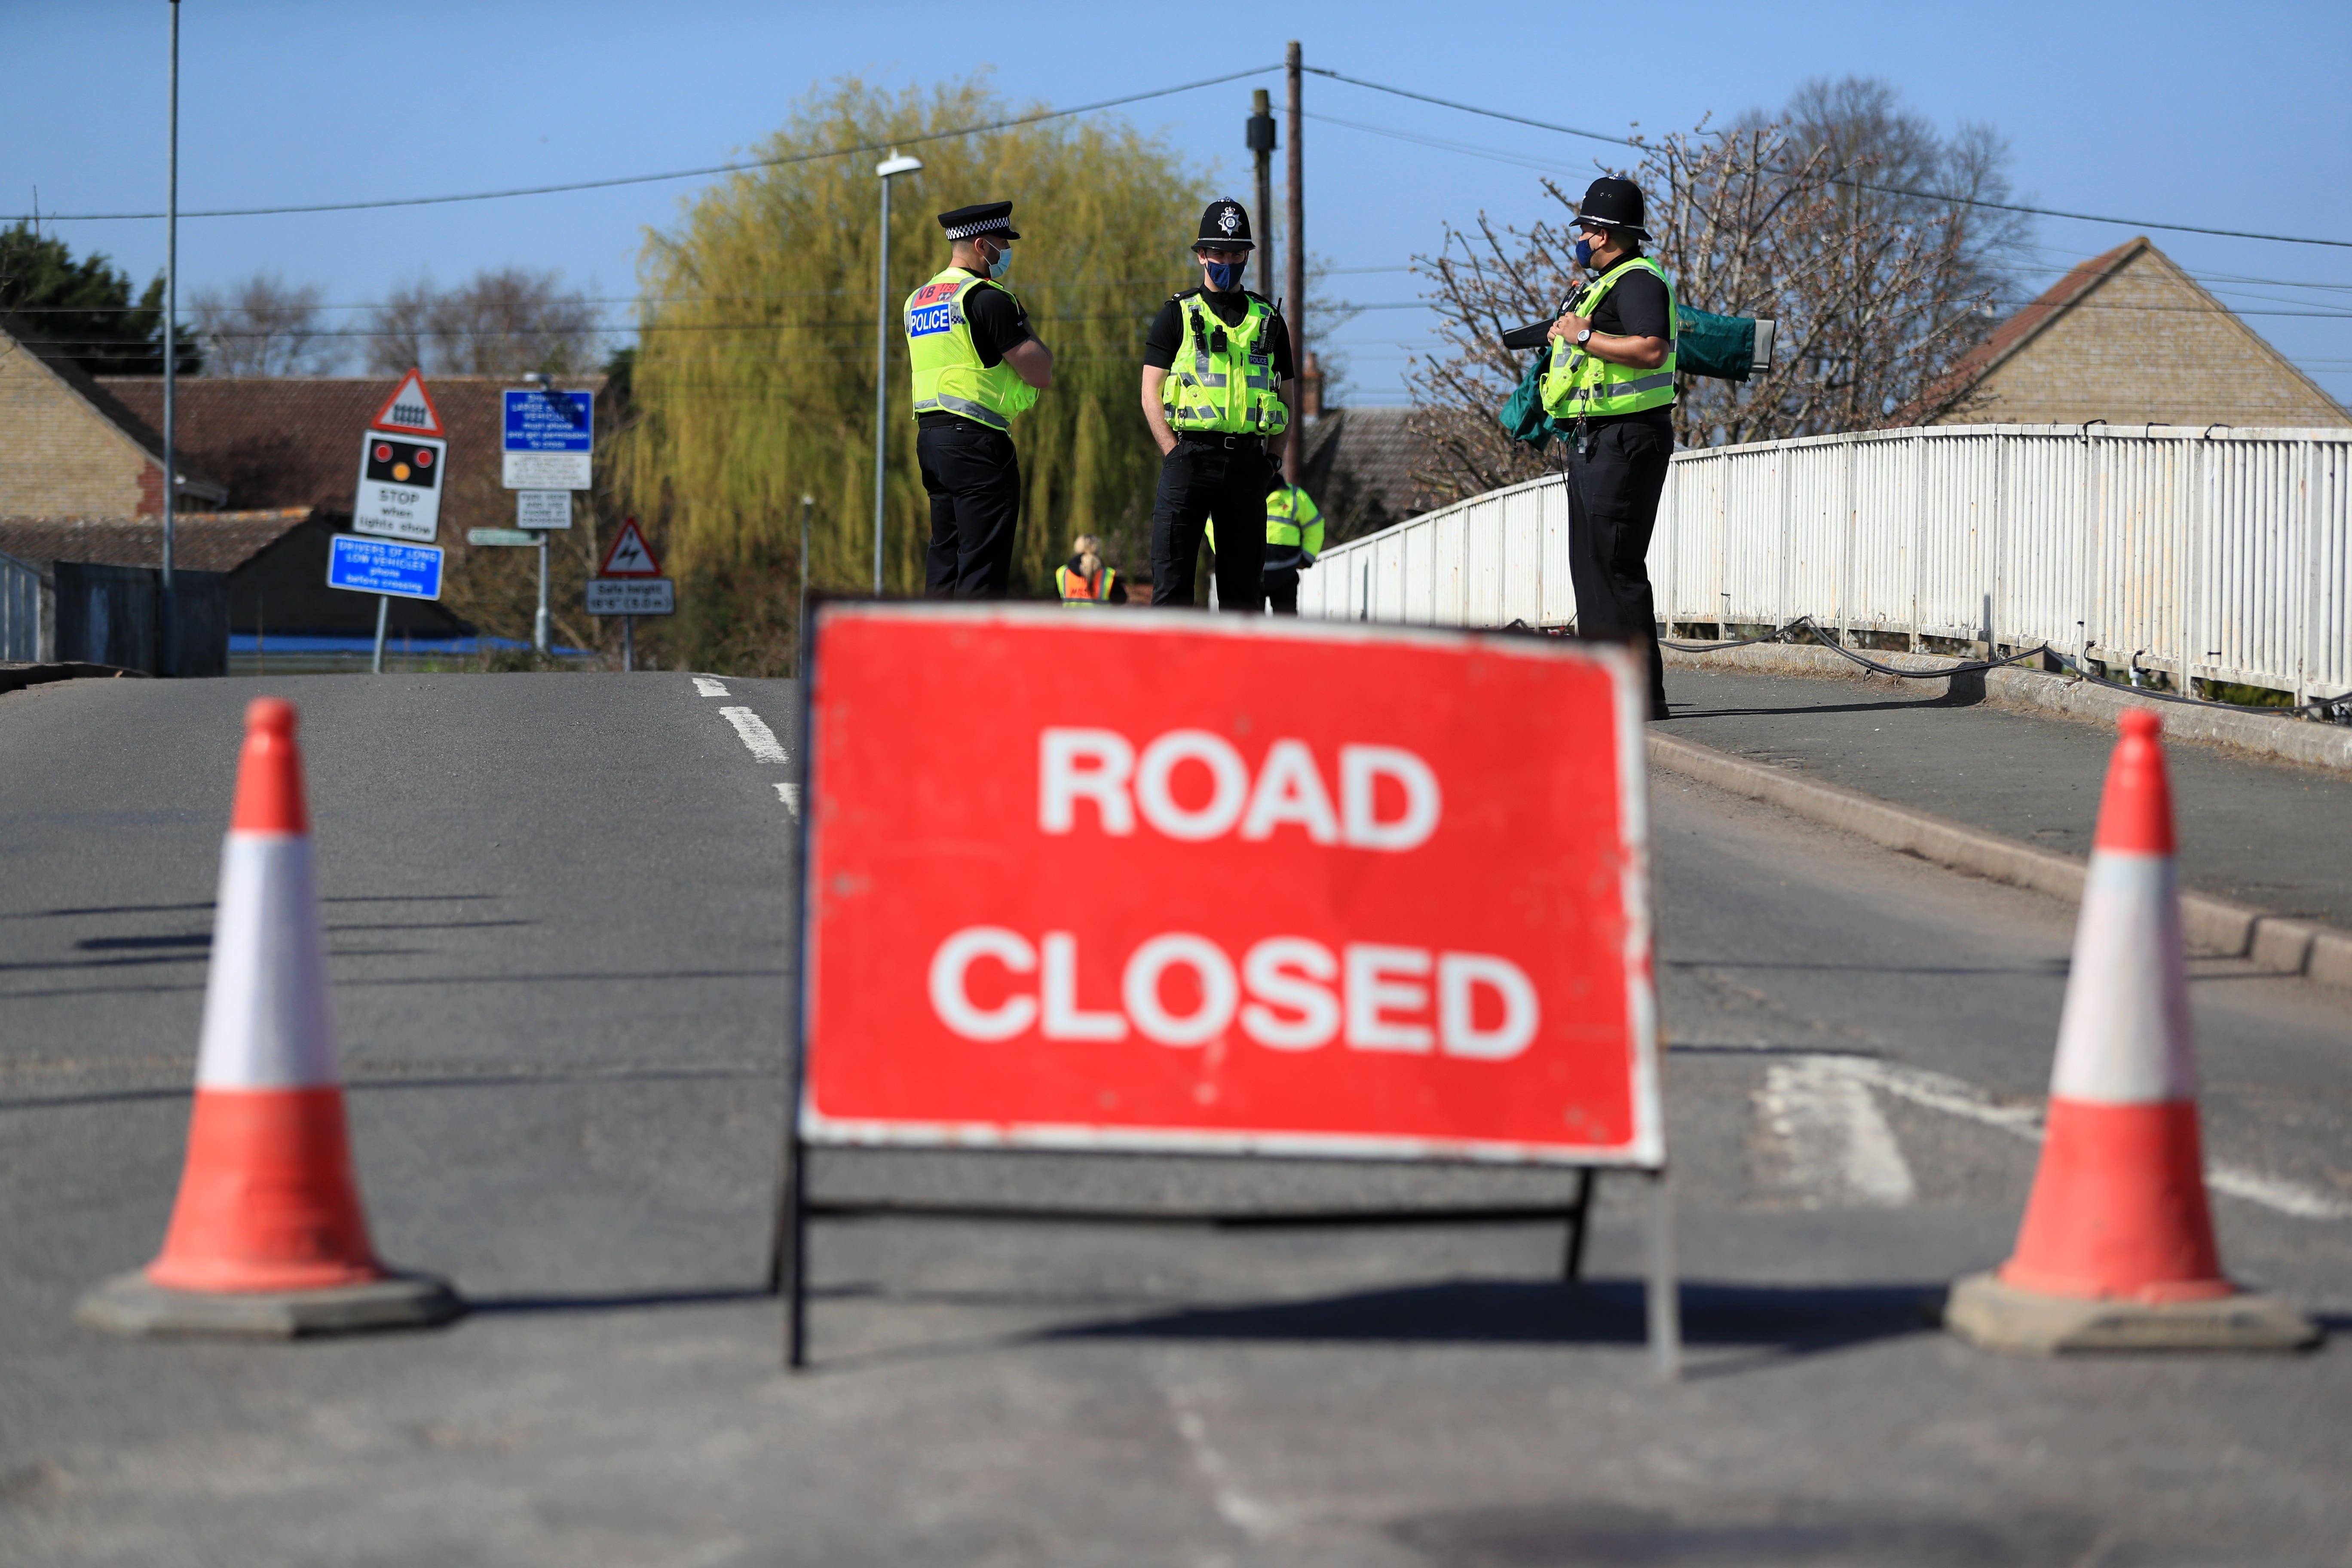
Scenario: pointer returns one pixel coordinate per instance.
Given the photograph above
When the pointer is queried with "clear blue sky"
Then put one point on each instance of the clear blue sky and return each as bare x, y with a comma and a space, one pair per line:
2238, 117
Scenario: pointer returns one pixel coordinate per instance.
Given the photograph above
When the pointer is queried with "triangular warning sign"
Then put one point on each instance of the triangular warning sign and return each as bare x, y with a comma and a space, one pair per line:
630, 556
409, 410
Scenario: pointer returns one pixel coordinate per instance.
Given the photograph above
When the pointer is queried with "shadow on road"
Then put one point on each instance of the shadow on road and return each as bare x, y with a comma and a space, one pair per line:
1784, 1318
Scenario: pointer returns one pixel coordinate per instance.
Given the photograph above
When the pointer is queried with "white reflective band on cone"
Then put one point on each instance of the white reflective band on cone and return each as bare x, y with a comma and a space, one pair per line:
267, 1023
2124, 1038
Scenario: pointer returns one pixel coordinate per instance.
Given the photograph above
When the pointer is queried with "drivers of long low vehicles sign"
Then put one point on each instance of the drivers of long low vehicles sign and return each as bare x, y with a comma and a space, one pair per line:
382, 566
1164, 881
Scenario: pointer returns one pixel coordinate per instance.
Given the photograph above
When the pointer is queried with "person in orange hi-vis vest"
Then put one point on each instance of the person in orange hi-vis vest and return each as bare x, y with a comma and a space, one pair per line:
1084, 579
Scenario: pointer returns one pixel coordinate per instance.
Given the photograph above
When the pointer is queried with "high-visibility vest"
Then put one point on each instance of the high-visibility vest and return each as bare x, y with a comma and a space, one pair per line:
1233, 392
949, 376
1078, 590
1294, 529
1578, 384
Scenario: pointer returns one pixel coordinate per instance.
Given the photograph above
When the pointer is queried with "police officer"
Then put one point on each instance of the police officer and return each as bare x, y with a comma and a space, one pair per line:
976, 366
1217, 390
1086, 578
1612, 384
1294, 538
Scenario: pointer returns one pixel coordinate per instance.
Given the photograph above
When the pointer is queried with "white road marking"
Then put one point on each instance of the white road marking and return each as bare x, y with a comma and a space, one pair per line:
1840, 1150
790, 793
1957, 1096
1236, 1507
758, 739
707, 686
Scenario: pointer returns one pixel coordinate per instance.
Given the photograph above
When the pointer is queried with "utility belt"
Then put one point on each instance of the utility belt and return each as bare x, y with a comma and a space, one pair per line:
1235, 443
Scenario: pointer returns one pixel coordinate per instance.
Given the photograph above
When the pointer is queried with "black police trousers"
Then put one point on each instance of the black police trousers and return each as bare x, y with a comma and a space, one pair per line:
974, 483
1200, 480
1616, 480
1281, 591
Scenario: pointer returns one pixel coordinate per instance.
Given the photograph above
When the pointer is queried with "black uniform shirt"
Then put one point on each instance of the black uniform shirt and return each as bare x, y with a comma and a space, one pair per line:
1168, 329
998, 323
1636, 307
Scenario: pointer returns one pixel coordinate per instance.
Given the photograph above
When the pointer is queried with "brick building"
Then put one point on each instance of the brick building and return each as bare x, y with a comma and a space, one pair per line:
2129, 338
71, 447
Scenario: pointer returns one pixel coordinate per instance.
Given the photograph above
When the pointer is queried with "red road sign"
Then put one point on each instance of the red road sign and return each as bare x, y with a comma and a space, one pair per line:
409, 410
630, 555
1173, 881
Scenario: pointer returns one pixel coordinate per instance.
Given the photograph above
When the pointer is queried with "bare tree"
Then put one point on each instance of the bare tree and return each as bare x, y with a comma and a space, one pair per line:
501, 322
1845, 219
265, 326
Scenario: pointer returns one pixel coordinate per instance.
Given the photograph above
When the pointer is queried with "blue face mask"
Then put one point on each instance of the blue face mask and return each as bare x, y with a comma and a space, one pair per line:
1584, 252
1226, 277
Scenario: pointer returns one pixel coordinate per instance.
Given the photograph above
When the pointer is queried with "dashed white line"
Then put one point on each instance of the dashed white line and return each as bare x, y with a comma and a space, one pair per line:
709, 686
758, 739
790, 793
1839, 1149
1236, 1507
1957, 1096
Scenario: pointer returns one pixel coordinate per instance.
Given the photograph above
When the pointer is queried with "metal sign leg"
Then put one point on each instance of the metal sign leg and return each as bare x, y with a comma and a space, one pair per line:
1579, 1222
788, 1255
628, 643
1664, 1289
383, 619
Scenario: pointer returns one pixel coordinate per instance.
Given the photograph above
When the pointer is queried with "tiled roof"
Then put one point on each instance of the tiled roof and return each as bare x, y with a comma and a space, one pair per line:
1360, 466
201, 541
95, 391
279, 441
2022, 328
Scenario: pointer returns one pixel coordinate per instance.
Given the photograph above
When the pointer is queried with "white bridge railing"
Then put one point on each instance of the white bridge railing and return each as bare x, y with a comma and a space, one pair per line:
2221, 555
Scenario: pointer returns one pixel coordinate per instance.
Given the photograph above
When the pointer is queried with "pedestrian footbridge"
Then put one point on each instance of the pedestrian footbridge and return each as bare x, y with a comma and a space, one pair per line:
2219, 555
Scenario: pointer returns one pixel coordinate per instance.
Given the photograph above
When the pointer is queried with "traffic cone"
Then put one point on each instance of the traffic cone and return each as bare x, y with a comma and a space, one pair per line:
2116, 1248
269, 1237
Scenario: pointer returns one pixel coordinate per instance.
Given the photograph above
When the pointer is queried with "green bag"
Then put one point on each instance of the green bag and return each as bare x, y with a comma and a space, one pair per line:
1523, 411
1723, 347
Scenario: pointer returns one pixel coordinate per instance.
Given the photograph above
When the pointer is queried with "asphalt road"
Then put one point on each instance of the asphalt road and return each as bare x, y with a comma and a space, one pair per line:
557, 908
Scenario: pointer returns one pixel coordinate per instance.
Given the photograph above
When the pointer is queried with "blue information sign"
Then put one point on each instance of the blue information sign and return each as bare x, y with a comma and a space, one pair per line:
384, 566
549, 421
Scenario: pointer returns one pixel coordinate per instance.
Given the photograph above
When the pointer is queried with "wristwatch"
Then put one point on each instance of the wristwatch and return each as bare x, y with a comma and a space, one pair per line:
1582, 336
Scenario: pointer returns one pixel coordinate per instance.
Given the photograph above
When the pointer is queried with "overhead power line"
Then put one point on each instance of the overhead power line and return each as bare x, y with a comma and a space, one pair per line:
673, 174
1859, 184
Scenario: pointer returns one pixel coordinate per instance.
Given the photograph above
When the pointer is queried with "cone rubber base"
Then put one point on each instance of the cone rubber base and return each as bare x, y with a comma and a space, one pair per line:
1984, 1311
132, 1304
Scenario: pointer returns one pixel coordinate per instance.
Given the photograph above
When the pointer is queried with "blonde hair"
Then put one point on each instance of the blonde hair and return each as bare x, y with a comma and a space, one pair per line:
1088, 550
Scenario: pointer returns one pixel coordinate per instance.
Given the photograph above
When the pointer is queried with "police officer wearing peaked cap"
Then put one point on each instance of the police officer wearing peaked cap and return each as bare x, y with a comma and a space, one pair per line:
1612, 384
977, 365
1217, 390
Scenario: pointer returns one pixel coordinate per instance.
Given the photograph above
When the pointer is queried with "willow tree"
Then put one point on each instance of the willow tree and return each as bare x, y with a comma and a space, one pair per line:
753, 379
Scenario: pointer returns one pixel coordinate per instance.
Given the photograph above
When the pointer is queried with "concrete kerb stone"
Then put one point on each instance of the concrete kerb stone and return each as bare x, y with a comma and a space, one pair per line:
2211, 925
2062, 695
16, 677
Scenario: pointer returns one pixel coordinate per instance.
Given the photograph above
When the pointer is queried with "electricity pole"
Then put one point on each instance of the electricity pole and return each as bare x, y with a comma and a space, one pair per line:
1294, 309
167, 651
1260, 134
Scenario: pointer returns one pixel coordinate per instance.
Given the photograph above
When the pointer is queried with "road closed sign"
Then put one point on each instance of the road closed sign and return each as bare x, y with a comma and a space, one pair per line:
1216, 884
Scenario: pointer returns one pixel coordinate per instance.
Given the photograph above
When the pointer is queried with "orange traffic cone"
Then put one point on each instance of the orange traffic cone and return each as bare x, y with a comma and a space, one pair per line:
268, 1235
2116, 1250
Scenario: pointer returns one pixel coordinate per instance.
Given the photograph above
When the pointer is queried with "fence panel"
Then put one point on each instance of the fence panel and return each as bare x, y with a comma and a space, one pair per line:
20, 611
2225, 554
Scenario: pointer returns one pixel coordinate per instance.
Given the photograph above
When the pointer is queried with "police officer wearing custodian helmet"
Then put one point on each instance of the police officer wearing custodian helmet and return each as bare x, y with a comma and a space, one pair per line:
1612, 384
976, 366
1217, 390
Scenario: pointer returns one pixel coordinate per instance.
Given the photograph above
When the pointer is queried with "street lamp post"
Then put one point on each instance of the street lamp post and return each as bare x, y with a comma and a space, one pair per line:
167, 652
893, 164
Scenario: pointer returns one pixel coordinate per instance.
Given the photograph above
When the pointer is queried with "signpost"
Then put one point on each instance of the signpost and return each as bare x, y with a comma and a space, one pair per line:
388, 570
479, 537
402, 457
629, 583
547, 439
1365, 909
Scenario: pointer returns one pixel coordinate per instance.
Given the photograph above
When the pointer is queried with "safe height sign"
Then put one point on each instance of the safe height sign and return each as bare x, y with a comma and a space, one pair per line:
1377, 893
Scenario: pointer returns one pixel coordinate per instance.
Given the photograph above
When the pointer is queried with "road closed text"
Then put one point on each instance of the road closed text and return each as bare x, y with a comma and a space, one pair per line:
1286, 993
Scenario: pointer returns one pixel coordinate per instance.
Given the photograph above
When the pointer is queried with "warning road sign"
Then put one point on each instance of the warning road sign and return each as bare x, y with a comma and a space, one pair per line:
629, 556
409, 410
548, 437
399, 486
1363, 909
